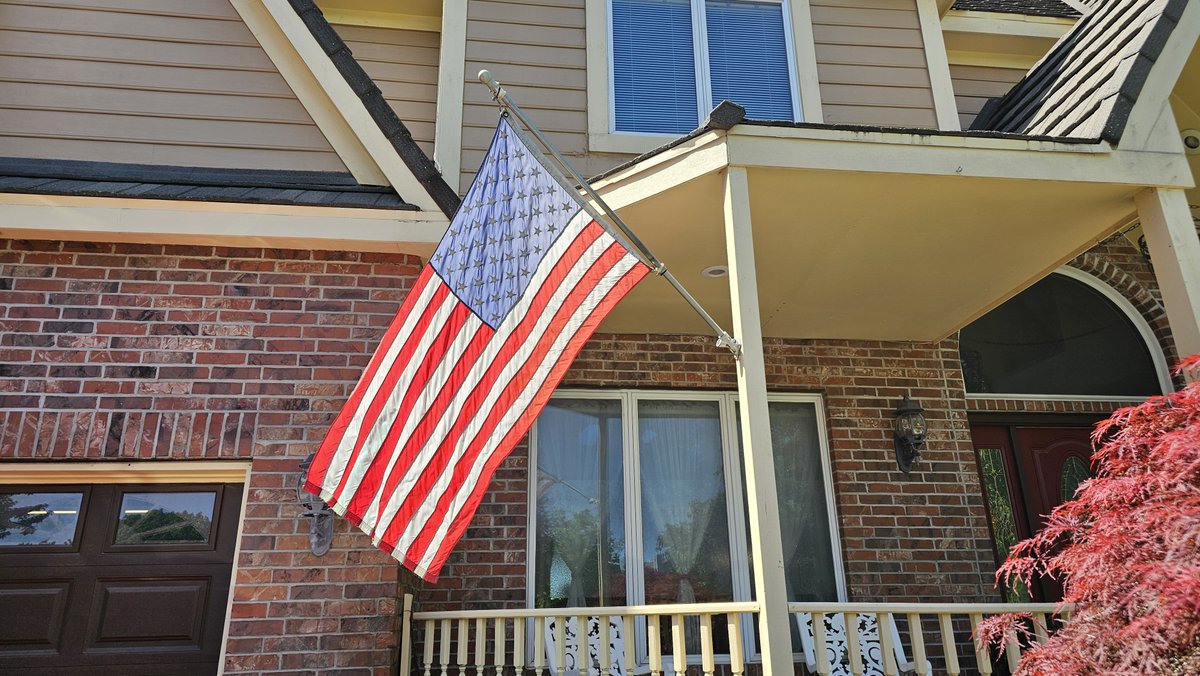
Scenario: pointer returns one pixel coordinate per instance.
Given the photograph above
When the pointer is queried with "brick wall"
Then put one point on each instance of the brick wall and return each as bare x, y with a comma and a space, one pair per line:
923, 537
123, 352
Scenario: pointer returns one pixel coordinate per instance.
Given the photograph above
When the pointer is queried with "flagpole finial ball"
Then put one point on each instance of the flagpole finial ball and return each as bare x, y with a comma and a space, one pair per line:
485, 76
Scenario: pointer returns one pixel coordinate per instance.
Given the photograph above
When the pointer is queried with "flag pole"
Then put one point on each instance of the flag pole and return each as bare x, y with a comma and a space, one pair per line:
500, 95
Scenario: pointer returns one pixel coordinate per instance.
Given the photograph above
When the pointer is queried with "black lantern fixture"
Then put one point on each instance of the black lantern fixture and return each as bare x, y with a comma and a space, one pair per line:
319, 515
909, 428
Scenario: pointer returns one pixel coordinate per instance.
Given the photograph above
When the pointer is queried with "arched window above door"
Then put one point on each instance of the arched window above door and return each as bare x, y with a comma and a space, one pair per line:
1067, 335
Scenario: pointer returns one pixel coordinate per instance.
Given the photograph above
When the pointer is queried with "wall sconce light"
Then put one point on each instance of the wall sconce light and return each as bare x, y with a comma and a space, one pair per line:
320, 516
909, 428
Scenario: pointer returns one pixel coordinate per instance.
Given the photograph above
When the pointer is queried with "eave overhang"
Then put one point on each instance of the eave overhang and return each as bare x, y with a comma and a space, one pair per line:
870, 233
112, 219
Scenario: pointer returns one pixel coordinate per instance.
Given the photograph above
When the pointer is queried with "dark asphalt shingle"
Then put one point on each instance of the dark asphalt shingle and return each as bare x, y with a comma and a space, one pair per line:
1088, 82
202, 184
1029, 7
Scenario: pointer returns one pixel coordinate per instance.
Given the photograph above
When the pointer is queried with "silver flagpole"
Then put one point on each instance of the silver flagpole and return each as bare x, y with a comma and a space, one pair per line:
613, 223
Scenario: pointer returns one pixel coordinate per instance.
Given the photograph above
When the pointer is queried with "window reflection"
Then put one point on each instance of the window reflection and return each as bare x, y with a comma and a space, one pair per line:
32, 519
165, 518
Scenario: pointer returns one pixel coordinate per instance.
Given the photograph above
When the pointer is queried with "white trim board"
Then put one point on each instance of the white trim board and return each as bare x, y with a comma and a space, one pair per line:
106, 219
287, 40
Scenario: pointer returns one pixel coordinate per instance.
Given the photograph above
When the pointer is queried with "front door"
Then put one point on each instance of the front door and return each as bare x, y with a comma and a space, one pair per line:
115, 579
1026, 472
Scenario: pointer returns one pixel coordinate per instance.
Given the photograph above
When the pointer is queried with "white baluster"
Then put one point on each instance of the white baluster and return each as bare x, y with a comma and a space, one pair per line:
707, 664
982, 660
853, 643
819, 645
445, 646
678, 645
427, 652
918, 642
949, 646
737, 657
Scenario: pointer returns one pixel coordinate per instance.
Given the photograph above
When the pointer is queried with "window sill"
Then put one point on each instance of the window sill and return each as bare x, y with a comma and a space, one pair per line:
627, 142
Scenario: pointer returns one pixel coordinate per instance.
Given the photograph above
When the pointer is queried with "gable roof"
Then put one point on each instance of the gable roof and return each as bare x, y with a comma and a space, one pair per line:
1087, 84
377, 107
1055, 8
201, 184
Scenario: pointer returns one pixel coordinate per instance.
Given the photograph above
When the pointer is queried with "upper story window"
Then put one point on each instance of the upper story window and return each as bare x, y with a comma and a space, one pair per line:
673, 60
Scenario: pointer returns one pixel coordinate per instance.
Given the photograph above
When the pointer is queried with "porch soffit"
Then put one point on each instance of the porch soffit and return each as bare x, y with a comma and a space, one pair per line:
873, 234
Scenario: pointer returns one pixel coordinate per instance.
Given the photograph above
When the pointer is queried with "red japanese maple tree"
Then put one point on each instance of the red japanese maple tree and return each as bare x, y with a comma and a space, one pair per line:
1126, 549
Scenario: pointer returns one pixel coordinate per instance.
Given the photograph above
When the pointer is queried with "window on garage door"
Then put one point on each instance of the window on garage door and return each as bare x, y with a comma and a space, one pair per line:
115, 579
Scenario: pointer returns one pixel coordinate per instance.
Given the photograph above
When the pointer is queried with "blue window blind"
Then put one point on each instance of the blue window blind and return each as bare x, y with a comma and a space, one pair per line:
747, 57
654, 72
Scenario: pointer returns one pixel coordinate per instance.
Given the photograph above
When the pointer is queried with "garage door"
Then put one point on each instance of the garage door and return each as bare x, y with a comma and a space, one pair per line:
115, 579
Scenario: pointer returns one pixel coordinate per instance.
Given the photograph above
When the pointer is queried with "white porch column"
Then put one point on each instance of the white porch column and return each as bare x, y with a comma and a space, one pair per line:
1175, 252
765, 543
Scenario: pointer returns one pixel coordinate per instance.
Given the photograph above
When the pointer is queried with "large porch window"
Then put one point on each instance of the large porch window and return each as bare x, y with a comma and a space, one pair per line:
639, 499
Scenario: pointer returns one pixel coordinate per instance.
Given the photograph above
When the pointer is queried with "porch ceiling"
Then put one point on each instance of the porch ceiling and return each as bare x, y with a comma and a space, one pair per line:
866, 255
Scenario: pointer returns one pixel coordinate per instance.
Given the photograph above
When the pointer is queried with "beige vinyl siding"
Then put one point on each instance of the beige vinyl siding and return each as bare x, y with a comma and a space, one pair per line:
536, 48
181, 83
974, 85
404, 63
871, 63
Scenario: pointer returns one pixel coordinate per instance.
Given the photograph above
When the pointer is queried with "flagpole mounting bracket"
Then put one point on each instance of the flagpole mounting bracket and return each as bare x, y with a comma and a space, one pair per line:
729, 342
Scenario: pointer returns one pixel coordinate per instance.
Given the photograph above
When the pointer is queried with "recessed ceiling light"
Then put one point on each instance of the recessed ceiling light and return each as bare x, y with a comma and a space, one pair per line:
715, 271
1191, 141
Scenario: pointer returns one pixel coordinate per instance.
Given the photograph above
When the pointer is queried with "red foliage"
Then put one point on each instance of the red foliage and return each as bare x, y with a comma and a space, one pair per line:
1126, 549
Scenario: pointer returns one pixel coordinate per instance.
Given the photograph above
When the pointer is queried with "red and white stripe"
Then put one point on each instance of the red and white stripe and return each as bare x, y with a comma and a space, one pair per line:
446, 398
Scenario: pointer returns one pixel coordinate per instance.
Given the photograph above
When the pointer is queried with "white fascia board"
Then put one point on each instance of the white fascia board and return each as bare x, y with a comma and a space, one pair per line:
688, 161
219, 223
348, 105
995, 23
948, 155
1146, 123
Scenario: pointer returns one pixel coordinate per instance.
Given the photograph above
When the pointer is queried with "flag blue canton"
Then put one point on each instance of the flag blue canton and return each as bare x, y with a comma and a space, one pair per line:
513, 212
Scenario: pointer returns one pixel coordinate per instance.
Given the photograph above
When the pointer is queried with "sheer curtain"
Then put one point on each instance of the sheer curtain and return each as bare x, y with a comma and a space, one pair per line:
803, 510
580, 504
685, 532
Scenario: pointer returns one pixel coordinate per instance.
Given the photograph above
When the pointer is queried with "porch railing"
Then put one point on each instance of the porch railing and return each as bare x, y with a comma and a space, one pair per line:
910, 637
552, 641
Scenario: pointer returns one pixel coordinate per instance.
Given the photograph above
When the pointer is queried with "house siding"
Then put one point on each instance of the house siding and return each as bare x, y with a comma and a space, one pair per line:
538, 49
404, 64
974, 85
133, 80
871, 63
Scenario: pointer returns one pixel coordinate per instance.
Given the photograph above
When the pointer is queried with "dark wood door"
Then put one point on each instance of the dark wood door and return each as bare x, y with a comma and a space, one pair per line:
115, 579
1026, 472
1053, 461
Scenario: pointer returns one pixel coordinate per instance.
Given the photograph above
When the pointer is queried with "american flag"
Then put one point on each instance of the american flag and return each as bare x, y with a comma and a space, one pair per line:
511, 294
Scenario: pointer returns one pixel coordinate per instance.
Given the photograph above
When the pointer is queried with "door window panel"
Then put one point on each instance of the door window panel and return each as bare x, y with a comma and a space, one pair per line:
165, 518
39, 519
1074, 472
1000, 509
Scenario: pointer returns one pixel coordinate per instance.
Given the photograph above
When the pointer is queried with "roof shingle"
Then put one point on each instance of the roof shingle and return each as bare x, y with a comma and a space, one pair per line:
202, 184
1088, 82
1030, 7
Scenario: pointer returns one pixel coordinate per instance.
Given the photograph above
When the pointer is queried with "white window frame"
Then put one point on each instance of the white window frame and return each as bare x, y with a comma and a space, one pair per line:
739, 542
601, 99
